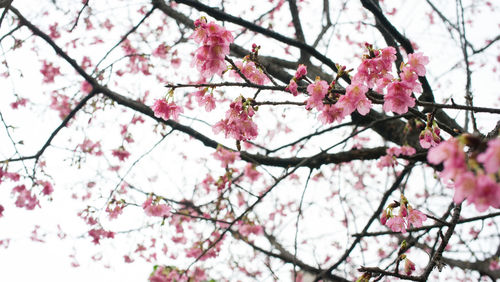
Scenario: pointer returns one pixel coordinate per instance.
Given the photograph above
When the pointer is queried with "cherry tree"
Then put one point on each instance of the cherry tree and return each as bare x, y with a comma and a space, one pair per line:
257, 140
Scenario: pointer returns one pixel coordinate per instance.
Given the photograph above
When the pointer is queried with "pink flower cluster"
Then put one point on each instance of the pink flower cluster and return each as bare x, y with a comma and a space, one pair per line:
49, 72
375, 72
245, 229
480, 188
121, 153
98, 233
251, 72
225, 156
407, 216
215, 40
429, 137
13, 176
197, 248
205, 99
392, 153
238, 122
165, 110
25, 199
89, 147
155, 209
299, 74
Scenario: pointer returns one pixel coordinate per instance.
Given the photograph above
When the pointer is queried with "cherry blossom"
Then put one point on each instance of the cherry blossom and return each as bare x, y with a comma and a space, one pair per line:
409, 266
163, 109
491, 157
318, 91
215, 40
121, 153
152, 208
238, 122
417, 62
398, 98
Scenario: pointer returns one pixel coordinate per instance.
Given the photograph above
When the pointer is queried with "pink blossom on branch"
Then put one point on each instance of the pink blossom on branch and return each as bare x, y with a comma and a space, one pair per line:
165, 110
398, 98
121, 153
491, 157
417, 62
318, 91
152, 208
238, 122
215, 40
251, 72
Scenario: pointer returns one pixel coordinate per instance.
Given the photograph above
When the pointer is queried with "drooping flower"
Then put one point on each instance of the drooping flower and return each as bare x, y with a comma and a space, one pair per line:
429, 137
155, 209
491, 157
398, 98
121, 153
450, 152
318, 91
292, 87
301, 72
396, 224
215, 40
417, 62
415, 217
355, 99
165, 110
251, 72
238, 122
409, 267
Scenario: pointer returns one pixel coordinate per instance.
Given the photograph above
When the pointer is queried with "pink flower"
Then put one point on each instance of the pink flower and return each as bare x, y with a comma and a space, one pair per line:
160, 210
49, 72
377, 68
465, 185
47, 187
161, 51
410, 80
415, 217
417, 62
165, 110
409, 267
355, 99
331, 113
383, 218
121, 154
225, 156
98, 234
491, 157
396, 224
90, 147
25, 199
19, 102
251, 172
318, 91
238, 122
301, 72
246, 229
429, 137
452, 154
398, 98
1, 210
292, 87
486, 194
251, 72
494, 265
215, 40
